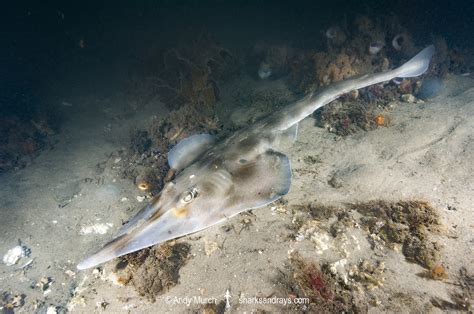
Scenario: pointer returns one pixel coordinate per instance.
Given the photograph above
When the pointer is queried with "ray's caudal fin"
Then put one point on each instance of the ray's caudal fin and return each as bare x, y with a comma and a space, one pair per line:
218, 180
417, 65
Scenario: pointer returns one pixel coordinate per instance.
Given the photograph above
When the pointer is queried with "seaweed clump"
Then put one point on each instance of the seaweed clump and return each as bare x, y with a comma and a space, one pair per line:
153, 271
406, 223
187, 73
306, 279
311, 214
319, 211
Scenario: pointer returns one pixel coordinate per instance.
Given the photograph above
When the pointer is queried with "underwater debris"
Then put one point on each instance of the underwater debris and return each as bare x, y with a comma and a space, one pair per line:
9, 302
404, 222
153, 271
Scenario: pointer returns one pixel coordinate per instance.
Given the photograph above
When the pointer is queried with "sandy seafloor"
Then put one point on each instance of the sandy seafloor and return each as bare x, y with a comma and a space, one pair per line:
426, 153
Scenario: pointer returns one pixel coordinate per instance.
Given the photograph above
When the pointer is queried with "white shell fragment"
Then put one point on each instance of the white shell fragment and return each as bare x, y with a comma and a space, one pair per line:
13, 255
100, 228
51, 310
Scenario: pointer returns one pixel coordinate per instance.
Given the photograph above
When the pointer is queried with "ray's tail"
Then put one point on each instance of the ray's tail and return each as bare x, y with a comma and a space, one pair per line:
291, 115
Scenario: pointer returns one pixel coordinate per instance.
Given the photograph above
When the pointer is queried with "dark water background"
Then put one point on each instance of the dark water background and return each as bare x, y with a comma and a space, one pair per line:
40, 53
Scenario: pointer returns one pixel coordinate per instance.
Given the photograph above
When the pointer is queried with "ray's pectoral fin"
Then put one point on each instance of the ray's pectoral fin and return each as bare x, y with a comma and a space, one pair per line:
247, 185
259, 183
188, 150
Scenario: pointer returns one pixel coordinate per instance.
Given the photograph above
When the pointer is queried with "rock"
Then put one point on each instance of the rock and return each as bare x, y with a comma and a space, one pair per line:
430, 88
409, 98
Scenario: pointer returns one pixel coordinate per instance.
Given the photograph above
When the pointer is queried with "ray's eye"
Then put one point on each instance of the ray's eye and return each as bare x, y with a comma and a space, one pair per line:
188, 196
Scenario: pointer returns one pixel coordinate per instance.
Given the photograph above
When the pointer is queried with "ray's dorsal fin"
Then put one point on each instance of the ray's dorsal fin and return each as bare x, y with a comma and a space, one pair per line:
188, 150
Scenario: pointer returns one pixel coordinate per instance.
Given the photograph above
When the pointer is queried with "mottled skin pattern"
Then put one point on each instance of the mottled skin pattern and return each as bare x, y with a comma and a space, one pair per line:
242, 172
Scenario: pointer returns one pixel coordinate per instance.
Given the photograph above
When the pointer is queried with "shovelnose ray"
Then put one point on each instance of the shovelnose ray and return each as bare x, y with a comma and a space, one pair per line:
218, 180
